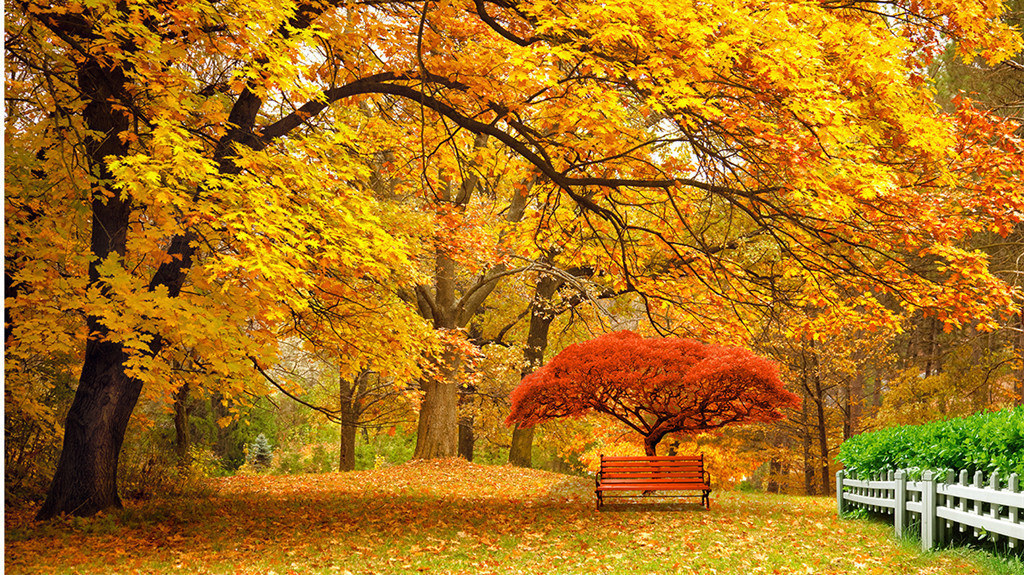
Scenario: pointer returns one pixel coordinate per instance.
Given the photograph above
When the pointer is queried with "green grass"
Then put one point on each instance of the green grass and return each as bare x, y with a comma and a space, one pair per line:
454, 517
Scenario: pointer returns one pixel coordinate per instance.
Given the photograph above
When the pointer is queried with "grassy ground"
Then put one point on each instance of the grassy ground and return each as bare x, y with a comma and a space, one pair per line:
455, 517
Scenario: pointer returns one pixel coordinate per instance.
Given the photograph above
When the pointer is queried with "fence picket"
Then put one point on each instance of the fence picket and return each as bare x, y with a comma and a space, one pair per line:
994, 508
900, 510
1013, 486
979, 507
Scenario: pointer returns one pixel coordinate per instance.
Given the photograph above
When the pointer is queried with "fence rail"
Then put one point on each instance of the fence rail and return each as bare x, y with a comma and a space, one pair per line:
941, 504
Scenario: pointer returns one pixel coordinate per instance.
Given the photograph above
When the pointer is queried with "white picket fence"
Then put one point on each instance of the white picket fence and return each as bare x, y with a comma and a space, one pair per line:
941, 505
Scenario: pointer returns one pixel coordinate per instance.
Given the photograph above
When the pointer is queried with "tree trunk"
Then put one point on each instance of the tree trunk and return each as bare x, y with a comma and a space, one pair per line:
467, 415
931, 360
808, 460
855, 403
466, 438
347, 448
222, 443
85, 481
520, 453
181, 431
347, 441
774, 475
822, 436
1019, 388
651, 443
541, 315
438, 431
437, 434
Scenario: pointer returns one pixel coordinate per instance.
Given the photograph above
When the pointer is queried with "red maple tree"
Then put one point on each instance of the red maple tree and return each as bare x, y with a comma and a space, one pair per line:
656, 386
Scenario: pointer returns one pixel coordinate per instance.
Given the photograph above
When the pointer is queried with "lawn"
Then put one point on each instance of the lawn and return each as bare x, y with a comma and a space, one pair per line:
451, 516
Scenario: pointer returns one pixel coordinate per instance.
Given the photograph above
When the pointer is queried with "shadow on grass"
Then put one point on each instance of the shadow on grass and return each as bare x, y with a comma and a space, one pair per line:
647, 506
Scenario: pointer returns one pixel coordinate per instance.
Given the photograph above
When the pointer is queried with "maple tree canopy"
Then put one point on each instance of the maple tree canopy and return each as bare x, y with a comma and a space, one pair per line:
656, 386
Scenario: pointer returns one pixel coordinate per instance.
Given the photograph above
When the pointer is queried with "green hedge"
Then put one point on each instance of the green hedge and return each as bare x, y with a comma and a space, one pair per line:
983, 442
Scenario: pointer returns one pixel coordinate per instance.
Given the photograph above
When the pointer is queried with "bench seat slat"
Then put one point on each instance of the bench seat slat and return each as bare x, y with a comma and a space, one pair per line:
671, 473
653, 475
645, 458
657, 467
649, 478
653, 486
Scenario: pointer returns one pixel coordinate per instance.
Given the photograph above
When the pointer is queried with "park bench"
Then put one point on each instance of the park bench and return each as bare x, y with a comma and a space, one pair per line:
653, 474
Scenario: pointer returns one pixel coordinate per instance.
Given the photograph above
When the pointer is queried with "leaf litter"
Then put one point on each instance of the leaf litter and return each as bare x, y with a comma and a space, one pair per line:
450, 516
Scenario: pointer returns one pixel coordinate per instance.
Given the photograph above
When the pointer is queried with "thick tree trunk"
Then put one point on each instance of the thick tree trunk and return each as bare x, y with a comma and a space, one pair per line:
347, 447
438, 431
181, 431
541, 315
437, 434
86, 478
520, 453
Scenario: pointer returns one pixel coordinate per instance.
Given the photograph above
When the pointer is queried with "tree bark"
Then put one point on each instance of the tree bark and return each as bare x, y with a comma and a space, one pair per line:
651, 442
181, 432
347, 441
85, 481
437, 432
808, 459
774, 475
1019, 388
819, 402
347, 448
466, 438
854, 404
520, 452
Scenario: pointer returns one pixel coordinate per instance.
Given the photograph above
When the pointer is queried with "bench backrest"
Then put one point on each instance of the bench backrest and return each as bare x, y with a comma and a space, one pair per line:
642, 469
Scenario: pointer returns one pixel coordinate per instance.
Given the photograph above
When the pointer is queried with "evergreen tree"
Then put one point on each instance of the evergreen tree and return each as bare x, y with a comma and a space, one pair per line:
260, 452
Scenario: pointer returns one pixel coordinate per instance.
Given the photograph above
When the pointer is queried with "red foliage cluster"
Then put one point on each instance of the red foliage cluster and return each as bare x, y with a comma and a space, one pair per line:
654, 385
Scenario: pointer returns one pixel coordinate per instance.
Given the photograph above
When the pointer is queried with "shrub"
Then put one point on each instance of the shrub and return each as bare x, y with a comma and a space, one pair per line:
385, 449
983, 442
143, 475
315, 458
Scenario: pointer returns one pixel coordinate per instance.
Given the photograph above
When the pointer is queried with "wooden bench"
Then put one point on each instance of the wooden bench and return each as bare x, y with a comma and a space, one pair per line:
649, 474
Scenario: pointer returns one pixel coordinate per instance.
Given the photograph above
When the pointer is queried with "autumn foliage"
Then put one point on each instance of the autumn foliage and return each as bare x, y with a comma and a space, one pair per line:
191, 182
656, 386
